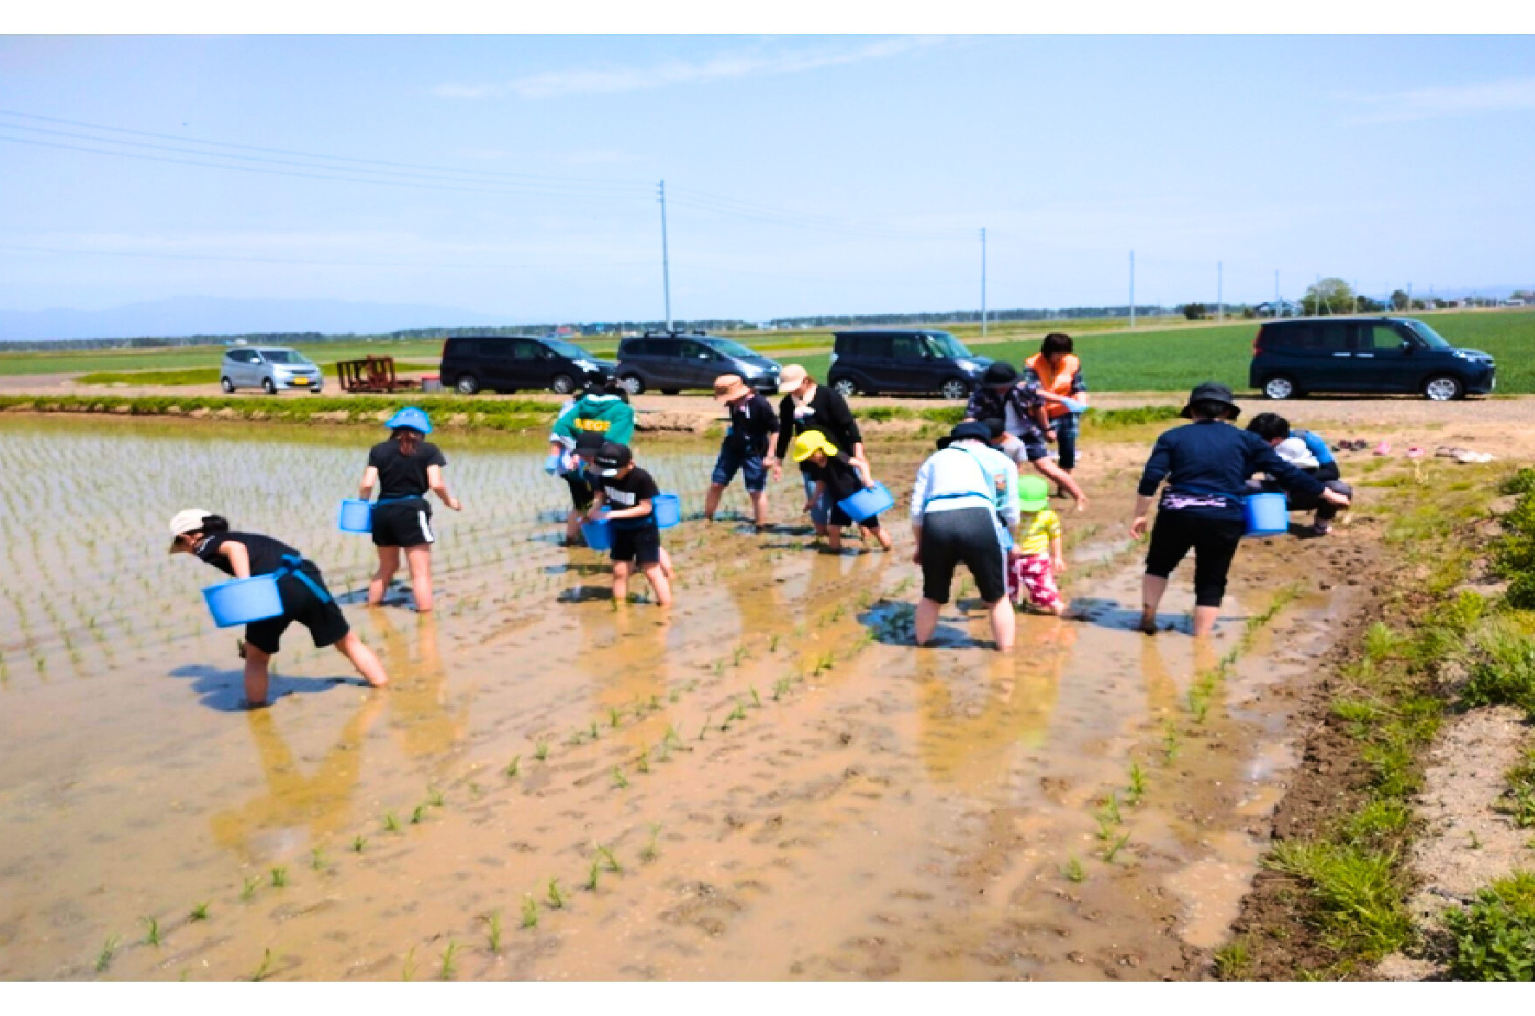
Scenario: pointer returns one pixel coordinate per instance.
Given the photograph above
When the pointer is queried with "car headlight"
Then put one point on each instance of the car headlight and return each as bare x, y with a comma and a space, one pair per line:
585, 364
967, 365
751, 371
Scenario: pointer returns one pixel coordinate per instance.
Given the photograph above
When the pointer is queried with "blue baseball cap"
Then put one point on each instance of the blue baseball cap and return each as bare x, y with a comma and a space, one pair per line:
411, 417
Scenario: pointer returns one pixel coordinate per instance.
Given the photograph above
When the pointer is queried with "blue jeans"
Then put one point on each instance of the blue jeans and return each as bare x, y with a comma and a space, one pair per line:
820, 512
1066, 428
734, 457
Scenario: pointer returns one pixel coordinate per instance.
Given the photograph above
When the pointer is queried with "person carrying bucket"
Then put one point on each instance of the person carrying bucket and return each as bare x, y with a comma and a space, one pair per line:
1041, 554
405, 467
964, 507
1206, 465
750, 438
299, 585
838, 476
1308, 452
1058, 372
626, 500
1002, 396
602, 413
809, 406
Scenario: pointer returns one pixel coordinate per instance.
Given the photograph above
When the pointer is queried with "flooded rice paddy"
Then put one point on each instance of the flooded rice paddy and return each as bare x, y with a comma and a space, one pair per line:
770, 784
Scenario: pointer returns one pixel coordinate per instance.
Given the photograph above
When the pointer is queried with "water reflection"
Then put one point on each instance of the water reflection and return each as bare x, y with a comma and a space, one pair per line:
421, 708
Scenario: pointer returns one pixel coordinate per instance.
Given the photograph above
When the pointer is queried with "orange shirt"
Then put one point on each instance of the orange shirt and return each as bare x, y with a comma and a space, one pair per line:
1055, 383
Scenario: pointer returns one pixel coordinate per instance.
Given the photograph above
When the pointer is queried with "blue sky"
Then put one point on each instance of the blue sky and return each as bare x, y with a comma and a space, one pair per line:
808, 175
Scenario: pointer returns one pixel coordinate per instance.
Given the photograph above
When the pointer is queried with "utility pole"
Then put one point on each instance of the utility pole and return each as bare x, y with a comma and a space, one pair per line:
1316, 297
1220, 291
1276, 292
666, 270
983, 282
1132, 289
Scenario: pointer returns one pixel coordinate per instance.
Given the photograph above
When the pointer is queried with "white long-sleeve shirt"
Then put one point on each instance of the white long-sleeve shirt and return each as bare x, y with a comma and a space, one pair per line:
967, 474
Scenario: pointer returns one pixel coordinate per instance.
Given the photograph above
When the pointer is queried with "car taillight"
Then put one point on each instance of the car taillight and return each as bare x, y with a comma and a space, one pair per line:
1258, 342
442, 354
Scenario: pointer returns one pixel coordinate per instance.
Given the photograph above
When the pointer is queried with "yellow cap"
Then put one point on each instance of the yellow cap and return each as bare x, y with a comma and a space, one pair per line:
810, 442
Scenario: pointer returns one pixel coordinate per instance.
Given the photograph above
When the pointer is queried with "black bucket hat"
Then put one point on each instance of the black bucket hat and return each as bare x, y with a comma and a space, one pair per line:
999, 373
1212, 391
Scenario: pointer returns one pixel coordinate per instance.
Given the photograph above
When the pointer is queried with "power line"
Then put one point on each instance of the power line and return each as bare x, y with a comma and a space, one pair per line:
298, 261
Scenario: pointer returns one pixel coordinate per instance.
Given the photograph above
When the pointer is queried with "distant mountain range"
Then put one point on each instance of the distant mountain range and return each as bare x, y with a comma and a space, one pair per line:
201, 315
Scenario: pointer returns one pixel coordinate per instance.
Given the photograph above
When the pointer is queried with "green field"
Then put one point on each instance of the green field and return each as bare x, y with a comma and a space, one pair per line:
1155, 358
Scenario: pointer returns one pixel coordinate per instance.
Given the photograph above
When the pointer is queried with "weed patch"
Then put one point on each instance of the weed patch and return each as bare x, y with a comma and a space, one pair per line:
1494, 938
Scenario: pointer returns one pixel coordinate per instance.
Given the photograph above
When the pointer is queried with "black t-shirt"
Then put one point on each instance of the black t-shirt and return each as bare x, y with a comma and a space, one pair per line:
401, 475
265, 553
840, 475
752, 424
628, 491
826, 412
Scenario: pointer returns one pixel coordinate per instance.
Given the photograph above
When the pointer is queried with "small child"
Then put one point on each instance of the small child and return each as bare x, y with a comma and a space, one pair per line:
1040, 554
1303, 450
838, 476
629, 492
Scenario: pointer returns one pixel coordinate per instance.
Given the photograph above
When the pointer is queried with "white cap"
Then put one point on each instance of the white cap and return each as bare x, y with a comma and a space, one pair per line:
188, 521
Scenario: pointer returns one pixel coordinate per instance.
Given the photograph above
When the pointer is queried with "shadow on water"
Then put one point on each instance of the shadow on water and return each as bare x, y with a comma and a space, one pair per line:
224, 690
892, 623
601, 568
584, 594
1115, 616
394, 596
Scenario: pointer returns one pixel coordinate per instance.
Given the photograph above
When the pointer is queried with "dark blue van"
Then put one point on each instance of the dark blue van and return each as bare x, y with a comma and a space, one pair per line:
1293, 358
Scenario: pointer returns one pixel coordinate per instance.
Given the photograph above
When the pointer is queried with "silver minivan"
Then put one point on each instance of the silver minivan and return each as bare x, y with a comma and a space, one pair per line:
270, 368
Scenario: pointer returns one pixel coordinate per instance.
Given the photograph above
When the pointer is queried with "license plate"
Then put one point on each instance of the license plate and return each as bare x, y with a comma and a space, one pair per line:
299, 381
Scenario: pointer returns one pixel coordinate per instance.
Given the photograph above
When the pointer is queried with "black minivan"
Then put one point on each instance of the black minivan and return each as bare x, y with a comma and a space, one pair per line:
904, 360
1378, 354
512, 363
672, 361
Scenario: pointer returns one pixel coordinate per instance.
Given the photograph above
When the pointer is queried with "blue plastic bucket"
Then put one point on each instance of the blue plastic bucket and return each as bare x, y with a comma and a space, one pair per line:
667, 509
598, 533
241, 601
355, 516
1266, 514
867, 503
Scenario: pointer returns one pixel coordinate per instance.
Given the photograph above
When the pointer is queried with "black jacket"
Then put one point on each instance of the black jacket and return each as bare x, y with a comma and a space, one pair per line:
826, 412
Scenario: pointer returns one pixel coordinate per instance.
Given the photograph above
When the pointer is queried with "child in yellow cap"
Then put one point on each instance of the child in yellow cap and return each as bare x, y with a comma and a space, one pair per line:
837, 476
1040, 554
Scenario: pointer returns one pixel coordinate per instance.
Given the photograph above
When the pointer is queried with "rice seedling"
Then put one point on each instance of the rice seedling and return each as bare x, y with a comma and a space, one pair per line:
199, 912
738, 656
594, 732
738, 713
1137, 788
435, 798
609, 861
620, 781
279, 877
541, 750
643, 762
773, 644
1111, 850
104, 958
780, 688
249, 890
265, 969
391, 823
151, 931
555, 896
317, 859
756, 699
358, 844
1170, 742
592, 875
513, 766
493, 932
408, 968
1073, 870
705, 728
672, 737
418, 814
449, 966
650, 853
614, 716
529, 912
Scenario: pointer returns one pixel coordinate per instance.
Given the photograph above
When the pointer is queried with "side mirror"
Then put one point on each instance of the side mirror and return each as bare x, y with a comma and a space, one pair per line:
1408, 346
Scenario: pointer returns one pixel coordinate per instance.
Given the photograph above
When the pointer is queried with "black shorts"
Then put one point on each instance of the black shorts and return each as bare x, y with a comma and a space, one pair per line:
1213, 541
1034, 446
641, 545
581, 493
403, 524
962, 535
326, 624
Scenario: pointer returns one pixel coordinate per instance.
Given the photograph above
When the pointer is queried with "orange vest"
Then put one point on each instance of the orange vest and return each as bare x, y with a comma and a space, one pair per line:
1059, 384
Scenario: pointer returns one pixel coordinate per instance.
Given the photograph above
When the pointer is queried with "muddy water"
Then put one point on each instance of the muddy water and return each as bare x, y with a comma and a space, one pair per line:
771, 783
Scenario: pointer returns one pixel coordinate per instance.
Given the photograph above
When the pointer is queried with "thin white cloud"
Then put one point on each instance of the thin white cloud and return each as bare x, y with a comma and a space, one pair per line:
726, 66
1511, 95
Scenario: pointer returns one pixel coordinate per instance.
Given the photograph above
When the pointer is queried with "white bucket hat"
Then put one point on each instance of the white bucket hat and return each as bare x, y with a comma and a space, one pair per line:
189, 520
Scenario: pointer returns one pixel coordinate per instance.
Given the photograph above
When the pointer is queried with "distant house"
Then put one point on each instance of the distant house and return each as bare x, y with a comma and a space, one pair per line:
1279, 308
1513, 301
564, 332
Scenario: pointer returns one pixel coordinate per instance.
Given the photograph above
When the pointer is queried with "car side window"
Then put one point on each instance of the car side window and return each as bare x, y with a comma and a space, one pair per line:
523, 350
907, 347
697, 351
1334, 336
1380, 338
876, 346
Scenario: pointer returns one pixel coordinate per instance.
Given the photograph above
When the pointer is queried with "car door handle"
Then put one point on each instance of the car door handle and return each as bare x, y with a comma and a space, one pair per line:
1365, 356
1343, 354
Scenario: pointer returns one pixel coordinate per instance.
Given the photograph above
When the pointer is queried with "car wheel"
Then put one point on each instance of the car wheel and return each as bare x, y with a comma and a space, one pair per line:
268, 387
632, 384
1280, 387
227, 385
954, 388
562, 384
467, 384
1443, 388
844, 387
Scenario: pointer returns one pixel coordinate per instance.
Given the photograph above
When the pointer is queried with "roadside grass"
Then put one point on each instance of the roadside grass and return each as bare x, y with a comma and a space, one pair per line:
206, 375
1494, 938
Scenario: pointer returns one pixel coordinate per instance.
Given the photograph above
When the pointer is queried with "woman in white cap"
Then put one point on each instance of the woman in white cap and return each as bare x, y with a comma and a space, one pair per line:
809, 406
299, 584
405, 467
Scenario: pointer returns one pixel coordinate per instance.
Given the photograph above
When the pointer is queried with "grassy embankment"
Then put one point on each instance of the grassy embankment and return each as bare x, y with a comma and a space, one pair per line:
1350, 887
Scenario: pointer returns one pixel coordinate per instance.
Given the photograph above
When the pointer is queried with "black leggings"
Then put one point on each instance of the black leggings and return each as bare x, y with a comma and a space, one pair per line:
1214, 543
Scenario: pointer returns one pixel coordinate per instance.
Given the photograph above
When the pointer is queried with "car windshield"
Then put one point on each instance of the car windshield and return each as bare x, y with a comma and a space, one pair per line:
283, 356
945, 344
569, 350
728, 348
1431, 338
